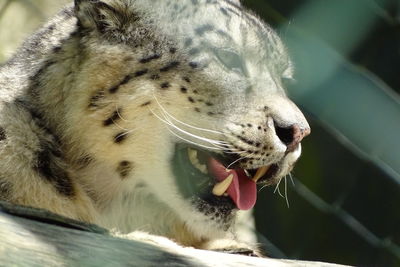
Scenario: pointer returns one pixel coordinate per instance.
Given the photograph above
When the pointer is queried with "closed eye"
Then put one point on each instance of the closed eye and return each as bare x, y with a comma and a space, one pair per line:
231, 60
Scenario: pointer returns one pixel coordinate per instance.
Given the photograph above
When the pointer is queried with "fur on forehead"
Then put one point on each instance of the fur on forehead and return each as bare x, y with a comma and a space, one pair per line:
129, 21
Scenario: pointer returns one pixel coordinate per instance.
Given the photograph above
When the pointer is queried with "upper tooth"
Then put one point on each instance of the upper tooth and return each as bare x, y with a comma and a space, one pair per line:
192, 155
220, 188
195, 161
260, 173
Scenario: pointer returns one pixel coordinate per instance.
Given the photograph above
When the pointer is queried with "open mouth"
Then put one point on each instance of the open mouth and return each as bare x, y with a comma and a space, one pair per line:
206, 175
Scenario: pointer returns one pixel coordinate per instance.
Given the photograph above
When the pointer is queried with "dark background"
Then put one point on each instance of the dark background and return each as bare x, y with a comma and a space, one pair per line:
344, 204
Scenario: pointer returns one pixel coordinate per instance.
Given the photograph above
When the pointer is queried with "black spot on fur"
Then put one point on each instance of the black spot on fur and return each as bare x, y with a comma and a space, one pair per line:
124, 168
94, 99
210, 113
57, 49
141, 72
113, 118
172, 50
145, 104
193, 65
48, 166
2, 134
188, 42
223, 11
35, 79
193, 51
233, 11
115, 88
184, 90
128, 58
120, 137
68, 12
186, 79
165, 85
75, 33
170, 66
150, 58
203, 29
209, 104
247, 141
191, 99
197, 110
223, 34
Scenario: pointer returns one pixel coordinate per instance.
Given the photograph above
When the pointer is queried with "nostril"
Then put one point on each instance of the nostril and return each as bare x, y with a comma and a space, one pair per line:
291, 135
284, 134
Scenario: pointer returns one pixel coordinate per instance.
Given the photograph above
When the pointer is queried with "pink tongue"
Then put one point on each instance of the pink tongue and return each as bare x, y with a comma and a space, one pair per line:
243, 191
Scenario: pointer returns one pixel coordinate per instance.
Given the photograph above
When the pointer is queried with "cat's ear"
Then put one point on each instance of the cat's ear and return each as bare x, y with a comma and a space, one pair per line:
98, 15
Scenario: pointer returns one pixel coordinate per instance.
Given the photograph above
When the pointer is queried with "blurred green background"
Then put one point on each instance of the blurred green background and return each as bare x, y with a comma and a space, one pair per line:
344, 206
345, 195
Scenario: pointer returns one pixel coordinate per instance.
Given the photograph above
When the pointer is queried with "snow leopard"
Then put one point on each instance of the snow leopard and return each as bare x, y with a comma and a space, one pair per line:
155, 117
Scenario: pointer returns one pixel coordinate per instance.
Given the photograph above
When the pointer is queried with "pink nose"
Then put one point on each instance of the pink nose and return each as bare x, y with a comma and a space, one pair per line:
291, 135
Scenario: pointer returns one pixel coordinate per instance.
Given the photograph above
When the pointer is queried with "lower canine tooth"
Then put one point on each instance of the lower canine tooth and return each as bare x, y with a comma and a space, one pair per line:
220, 188
260, 173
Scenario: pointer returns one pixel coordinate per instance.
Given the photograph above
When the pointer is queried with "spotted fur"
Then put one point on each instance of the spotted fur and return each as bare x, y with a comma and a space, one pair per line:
93, 105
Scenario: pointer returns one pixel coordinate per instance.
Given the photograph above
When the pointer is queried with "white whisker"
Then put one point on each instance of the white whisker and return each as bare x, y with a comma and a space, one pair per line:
262, 187
120, 116
247, 156
215, 143
232, 151
235, 162
191, 142
286, 196
127, 132
277, 188
291, 179
183, 123
166, 115
180, 137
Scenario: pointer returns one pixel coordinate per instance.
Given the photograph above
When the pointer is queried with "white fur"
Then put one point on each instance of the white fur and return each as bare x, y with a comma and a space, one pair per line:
149, 199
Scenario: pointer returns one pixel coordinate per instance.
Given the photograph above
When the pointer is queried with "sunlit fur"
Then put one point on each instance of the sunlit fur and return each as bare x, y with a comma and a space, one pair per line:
93, 105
